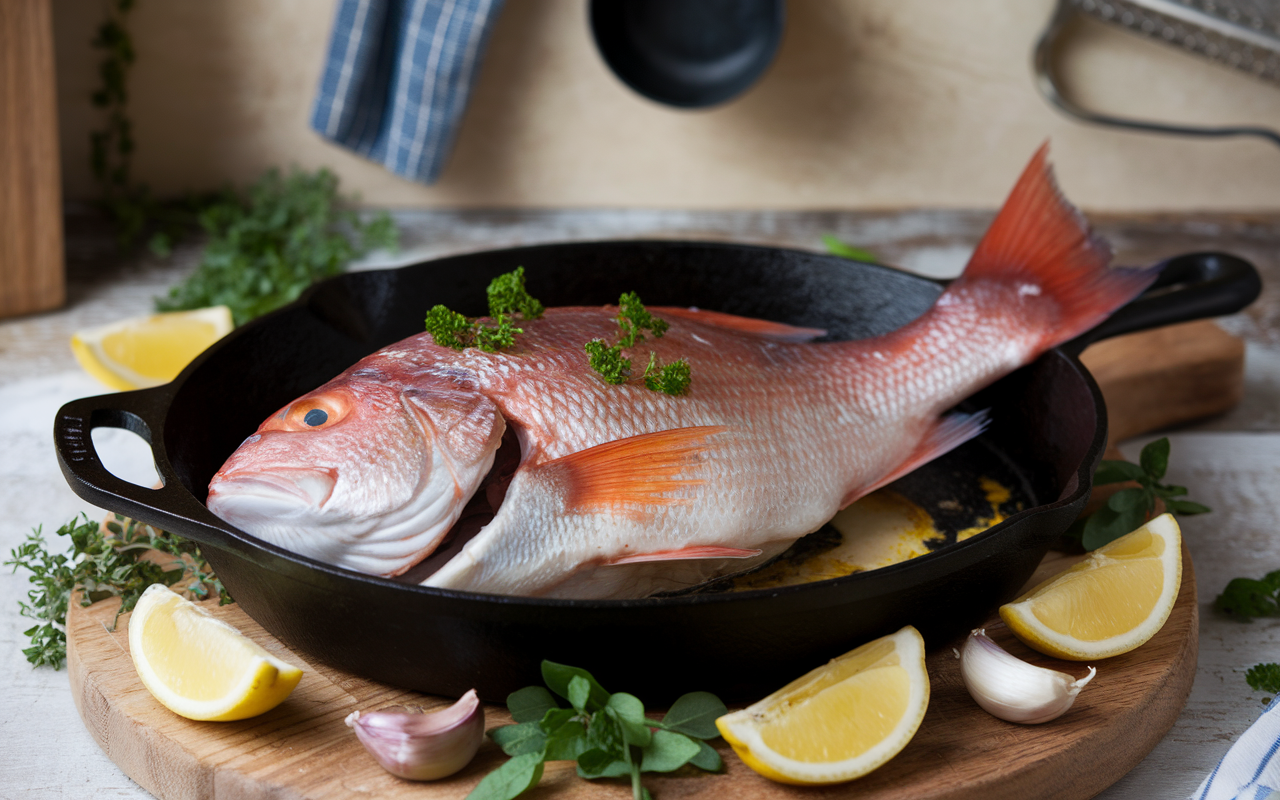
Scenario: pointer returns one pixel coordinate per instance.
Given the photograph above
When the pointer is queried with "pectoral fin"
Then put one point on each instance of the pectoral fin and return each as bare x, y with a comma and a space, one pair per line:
684, 553
947, 434
631, 476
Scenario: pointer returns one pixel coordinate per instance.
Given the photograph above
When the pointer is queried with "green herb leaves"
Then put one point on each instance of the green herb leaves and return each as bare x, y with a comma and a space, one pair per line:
1264, 677
105, 561
614, 368
508, 300
1246, 598
263, 250
607, 734
838, 248
1128, 509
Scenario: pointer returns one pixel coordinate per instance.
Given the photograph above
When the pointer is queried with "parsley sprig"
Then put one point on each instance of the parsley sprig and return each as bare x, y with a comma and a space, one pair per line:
508, 301
607, 734
1264, 677
1128, 509
106, 560
614, 368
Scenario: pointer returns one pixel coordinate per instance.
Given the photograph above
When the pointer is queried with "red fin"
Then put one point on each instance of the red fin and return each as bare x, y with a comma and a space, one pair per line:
632, 474
946, 435
777, 331
684, 553
1043, 244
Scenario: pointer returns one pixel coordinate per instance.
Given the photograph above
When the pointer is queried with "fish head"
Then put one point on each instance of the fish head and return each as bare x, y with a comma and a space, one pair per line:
361, 473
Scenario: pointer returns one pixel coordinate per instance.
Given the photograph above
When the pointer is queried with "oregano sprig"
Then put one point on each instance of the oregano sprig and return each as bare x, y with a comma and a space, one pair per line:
608, 735
1128, 509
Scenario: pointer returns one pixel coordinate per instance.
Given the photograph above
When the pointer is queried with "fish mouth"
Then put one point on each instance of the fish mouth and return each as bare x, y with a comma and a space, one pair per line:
261, 496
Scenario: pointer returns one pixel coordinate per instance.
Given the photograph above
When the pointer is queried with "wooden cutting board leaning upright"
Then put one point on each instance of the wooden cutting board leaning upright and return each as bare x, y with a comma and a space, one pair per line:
32, 277
302, 749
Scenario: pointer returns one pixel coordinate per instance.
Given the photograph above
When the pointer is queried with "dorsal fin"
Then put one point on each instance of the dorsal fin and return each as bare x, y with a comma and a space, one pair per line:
776, 331
629, 476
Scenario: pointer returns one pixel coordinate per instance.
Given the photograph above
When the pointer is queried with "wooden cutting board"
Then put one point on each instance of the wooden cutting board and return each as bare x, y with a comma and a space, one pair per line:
303, 750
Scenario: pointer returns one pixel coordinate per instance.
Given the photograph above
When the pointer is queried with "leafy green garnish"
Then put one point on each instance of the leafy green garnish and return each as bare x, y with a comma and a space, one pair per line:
608, 360
508, 300
670, 378
105, 561
1246, 598
264, 249
607, 734
1264, 677
633, 318
838, 248
1128, 509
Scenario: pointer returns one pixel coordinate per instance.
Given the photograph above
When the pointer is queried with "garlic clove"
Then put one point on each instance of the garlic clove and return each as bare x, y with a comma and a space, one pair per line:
1009, 688
422, 747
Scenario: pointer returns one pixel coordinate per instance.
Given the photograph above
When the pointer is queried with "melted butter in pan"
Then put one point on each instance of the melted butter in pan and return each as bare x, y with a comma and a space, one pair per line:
881, 529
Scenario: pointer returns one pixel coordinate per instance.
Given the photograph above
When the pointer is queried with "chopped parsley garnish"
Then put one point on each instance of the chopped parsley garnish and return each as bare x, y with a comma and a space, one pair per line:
608, 361
670, 378
508, 300
614, 368
633, 318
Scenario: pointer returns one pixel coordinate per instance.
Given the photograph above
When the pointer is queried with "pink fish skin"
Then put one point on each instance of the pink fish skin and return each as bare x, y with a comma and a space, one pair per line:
620, 491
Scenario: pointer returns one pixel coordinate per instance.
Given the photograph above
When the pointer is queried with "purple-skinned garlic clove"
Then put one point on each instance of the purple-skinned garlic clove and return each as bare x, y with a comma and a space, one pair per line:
422, 747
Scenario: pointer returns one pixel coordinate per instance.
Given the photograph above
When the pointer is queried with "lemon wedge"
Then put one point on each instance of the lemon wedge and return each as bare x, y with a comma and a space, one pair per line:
1108, 604
150, 350
840, 721
200, 667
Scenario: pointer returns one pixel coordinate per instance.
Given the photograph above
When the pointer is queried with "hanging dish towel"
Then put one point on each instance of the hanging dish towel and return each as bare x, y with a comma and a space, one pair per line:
1251, 768
398, 76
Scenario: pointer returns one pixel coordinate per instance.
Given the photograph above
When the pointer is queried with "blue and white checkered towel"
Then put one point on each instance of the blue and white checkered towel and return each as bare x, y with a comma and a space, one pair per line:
1251, 768
398, 77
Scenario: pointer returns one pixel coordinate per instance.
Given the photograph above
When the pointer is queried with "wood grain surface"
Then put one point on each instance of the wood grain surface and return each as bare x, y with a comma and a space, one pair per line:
32, 277
303, 750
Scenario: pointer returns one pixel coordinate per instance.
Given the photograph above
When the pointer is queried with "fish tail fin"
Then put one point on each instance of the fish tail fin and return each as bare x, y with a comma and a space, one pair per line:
1040, 245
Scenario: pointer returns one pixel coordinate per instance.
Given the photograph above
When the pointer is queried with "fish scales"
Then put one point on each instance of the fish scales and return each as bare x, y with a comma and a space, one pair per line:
620, 491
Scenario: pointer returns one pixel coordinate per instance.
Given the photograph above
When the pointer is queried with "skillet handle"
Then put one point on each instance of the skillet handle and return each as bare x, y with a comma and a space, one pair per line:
1191, 286
141, 412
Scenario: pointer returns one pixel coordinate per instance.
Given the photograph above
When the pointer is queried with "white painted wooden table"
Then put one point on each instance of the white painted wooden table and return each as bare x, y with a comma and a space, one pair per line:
1231, 464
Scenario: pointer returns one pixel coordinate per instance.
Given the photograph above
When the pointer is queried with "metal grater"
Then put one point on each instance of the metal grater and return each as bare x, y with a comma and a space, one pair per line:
1244, 34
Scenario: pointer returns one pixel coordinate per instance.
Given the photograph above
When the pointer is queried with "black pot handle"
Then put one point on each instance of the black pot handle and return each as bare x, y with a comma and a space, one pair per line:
1191, 286
141, 412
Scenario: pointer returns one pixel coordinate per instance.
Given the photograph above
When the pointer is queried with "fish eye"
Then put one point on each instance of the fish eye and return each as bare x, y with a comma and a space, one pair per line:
316, 417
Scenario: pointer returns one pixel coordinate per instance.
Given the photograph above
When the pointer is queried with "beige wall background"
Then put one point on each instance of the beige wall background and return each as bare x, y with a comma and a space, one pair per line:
870, 104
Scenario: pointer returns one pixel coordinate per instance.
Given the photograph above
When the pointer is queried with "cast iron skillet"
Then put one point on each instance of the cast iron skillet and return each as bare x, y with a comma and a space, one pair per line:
1049, 427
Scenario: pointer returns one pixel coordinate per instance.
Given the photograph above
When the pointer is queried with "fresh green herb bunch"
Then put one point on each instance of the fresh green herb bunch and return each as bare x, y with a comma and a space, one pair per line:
264, 249
608, 361
508, 301
671, 378
105, 561
633, 318
1264, 677
607, 734
1128, 509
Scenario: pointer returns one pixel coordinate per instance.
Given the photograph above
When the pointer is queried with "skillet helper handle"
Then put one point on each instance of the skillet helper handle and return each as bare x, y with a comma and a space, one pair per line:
141, 412
1191, 286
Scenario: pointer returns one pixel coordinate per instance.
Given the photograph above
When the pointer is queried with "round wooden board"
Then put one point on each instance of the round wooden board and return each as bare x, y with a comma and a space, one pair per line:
302, 749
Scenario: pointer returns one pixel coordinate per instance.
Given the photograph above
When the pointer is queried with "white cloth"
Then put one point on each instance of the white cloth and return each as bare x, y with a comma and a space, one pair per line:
1251, 768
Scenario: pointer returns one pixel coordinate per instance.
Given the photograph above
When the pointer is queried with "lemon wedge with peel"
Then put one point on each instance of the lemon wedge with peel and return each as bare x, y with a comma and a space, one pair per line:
1110, 603
200, 667
150, 350
840, 721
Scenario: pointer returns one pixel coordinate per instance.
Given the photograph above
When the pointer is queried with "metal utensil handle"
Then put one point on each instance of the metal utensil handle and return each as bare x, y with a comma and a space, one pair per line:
1191, 286
141, 412
1048, 84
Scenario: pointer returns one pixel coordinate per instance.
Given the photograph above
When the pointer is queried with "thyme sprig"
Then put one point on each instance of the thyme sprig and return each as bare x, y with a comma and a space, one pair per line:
120, 557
